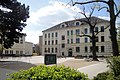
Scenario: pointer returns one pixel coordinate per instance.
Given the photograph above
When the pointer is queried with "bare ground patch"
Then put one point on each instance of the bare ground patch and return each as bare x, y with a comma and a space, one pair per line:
77, 63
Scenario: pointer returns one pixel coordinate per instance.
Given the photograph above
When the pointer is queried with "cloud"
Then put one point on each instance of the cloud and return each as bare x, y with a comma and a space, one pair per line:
33, 36
118, 20
108, 18
52, 14
104, 17
47, 16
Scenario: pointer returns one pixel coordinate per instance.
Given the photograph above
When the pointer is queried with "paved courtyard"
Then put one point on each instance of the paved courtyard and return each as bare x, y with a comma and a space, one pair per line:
13, 64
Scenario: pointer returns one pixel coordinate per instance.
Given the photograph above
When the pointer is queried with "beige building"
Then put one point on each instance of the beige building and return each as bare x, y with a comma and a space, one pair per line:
19, 49
62, 39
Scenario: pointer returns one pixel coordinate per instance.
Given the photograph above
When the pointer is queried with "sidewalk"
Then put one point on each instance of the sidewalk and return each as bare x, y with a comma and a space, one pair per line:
93, 70
35, 59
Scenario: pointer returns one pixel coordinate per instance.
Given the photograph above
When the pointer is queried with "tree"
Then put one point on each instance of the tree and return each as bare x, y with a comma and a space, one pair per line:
92, 22
112, 8
13, 16
37, 49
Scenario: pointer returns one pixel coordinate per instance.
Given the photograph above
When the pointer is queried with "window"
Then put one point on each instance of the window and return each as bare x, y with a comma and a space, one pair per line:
97, 49
62, 53
102, 38
96, 29
97, 38
71, 32
86, 31
90, 30
77, 49
48, 42
86, 49
77, 23
86, 40
102, 49
71, 41
102, 28
45, 50
6, 52
17, 52
52, 42
56, 50
91, 49
62, 25
45, 35
48, 35
11, 51
63, 45
21, 52
21, 41
68, 41
90, 40
52, 50
45, 42
77, 40
56, 34
49, 50
52, 35
63, 37
67, 33
77, 31
56, 41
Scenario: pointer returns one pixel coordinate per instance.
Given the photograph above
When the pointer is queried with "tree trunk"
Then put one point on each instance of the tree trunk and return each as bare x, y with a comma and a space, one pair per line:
94, 45
1, 50
114, 40
113, 29
94, 49
1, 47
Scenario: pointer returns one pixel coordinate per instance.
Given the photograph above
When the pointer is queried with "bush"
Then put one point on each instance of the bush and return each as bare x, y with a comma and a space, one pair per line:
114, 65
43, 72
114, 73
101, 76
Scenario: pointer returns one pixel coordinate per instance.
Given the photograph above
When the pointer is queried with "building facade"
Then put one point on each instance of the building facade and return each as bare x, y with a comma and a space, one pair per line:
20, 49
40, 44
62, 39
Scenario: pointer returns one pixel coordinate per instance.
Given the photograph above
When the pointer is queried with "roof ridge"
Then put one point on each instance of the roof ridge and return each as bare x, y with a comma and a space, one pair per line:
70, 21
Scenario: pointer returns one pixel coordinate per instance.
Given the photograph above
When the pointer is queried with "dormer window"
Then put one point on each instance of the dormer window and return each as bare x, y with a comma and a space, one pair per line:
77, 23
21, 41
63, 25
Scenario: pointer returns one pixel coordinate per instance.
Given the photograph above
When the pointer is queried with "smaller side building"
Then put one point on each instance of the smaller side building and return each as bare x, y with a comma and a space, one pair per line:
28, 48
21, 48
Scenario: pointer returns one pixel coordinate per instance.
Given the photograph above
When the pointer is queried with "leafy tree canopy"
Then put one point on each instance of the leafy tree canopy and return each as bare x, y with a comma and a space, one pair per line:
13, 16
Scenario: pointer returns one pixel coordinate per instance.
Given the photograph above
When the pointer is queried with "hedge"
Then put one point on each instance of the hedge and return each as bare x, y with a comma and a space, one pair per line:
43, 72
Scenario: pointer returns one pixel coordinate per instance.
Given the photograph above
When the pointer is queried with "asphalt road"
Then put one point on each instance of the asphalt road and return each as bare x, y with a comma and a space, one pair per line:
4, 72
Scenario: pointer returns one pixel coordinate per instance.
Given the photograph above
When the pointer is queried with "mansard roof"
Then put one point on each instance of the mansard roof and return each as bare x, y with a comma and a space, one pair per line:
71, 23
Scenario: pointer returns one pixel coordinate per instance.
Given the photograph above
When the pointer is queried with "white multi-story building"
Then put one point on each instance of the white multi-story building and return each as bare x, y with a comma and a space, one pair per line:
19, 49
62, 39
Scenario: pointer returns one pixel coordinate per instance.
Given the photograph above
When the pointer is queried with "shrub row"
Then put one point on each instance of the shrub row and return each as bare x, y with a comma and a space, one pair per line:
43, 72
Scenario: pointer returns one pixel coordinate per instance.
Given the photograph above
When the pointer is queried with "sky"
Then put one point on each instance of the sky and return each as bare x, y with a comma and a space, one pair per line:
47, 13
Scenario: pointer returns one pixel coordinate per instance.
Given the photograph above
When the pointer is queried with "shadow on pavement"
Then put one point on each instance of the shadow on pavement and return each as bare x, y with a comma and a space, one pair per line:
15, 65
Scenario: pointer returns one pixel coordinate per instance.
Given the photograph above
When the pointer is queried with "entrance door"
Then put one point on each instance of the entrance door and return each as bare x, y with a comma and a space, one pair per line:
70, 53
